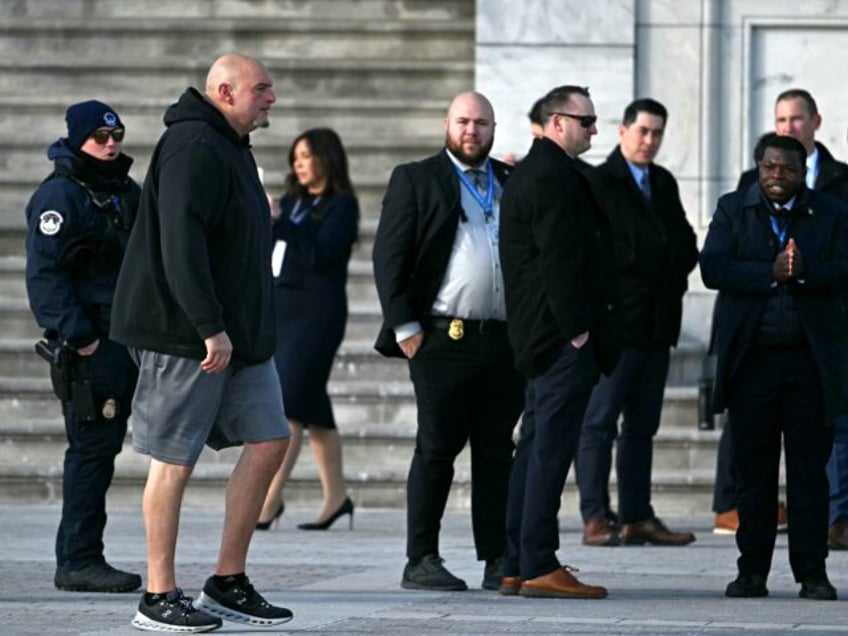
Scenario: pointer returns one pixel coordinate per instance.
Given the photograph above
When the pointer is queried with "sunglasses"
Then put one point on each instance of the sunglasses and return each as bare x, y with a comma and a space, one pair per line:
586, 121
102, 136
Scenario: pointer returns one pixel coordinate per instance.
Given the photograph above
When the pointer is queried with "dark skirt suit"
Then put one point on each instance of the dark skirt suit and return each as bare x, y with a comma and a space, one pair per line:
319, 234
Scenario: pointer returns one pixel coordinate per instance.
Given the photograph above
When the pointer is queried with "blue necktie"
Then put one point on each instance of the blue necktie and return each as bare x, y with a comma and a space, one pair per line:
645, 185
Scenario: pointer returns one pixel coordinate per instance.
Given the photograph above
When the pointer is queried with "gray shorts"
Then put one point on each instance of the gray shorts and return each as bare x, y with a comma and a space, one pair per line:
177, 407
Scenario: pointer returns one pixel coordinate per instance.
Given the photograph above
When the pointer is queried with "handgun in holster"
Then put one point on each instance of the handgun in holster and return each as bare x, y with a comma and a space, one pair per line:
69, 377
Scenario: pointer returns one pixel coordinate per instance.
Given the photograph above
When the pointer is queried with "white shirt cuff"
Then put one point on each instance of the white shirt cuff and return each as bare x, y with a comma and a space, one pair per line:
407, 330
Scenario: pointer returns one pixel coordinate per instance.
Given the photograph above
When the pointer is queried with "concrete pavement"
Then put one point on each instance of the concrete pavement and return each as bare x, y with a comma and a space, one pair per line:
347, 583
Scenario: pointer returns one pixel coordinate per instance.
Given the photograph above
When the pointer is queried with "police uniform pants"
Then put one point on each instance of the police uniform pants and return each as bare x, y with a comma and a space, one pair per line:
90, 458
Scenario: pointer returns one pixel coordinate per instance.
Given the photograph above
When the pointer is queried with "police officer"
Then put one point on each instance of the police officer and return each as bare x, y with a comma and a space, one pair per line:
78, 223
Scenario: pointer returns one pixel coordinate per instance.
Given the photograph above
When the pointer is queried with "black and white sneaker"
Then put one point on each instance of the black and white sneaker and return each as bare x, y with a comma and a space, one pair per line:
241, 603
173, 612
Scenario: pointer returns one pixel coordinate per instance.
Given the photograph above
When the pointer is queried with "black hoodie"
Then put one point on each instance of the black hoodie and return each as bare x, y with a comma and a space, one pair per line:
199, 256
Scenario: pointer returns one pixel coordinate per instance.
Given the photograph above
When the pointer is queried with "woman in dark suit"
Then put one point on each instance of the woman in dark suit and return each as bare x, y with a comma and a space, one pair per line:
314, 236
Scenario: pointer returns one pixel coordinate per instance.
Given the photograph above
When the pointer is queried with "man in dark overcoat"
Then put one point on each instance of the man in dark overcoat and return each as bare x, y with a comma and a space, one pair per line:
778, 255
655, 249
559, 274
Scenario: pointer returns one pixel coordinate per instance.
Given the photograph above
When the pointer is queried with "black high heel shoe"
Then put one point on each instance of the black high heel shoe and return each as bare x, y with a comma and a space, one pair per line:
345, 509
275, 520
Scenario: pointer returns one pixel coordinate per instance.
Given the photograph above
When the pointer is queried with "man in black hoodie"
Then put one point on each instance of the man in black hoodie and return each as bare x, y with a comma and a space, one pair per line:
195, 305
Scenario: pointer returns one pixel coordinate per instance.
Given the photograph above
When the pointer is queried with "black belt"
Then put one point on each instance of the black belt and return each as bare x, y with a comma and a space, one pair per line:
457, 328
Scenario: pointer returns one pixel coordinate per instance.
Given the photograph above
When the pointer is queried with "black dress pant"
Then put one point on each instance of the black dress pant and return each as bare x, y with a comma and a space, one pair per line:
466, 390
555, 405
777, 392
724, 491
635, 390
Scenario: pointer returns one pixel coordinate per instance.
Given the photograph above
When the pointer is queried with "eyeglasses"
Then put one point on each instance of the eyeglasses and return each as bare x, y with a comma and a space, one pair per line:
586, 121
101, 136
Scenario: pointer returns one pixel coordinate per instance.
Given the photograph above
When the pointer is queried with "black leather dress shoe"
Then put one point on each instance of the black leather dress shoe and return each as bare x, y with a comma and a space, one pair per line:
492, 574
429, 574
747, 586
817, 588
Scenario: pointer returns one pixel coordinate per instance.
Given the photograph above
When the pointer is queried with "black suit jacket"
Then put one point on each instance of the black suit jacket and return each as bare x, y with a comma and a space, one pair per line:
557, 258
421, 209
655, 249
832, 177
737, 260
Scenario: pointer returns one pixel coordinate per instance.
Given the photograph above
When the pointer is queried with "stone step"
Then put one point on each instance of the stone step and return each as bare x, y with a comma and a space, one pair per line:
12, 244
36, 125
18, 323
16, 318
360, 284
363, 407
54, 41
15, 195
671, 493
375, 465
371, 156
356, 361
375, 10
308, 78
12, 275
12, 238
368, 453
371, 162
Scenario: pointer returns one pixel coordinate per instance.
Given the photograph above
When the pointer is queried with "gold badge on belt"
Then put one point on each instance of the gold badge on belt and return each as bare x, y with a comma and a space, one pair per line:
110, 409
456, 329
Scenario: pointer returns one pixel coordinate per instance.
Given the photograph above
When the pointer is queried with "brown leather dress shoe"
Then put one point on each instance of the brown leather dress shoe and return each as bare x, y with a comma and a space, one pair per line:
600, 532
510, 585
560, 584
837, 535
728, 522
653, 531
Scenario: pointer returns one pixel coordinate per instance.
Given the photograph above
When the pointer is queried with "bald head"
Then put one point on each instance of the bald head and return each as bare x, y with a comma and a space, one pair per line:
470, 99
470, 128
227, 69
240, 87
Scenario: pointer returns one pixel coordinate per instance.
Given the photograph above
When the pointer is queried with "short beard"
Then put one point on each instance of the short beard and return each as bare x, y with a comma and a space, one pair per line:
470, 160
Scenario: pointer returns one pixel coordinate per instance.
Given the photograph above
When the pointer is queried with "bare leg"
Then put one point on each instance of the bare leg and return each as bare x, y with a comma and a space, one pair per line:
275, 490
163, 497
245, 493
327, 450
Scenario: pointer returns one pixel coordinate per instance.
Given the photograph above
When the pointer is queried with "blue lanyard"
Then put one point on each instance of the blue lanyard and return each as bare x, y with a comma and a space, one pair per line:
297, 215
780, 234
485, 203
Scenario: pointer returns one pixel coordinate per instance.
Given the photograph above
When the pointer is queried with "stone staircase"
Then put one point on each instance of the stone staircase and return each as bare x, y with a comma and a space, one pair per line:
378, 71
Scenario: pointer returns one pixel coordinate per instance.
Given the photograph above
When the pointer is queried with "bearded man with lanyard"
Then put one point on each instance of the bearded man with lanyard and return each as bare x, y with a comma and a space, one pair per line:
438, 275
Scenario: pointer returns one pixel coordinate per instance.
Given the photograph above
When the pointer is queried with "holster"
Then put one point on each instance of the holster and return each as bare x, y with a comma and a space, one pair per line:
69, 377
